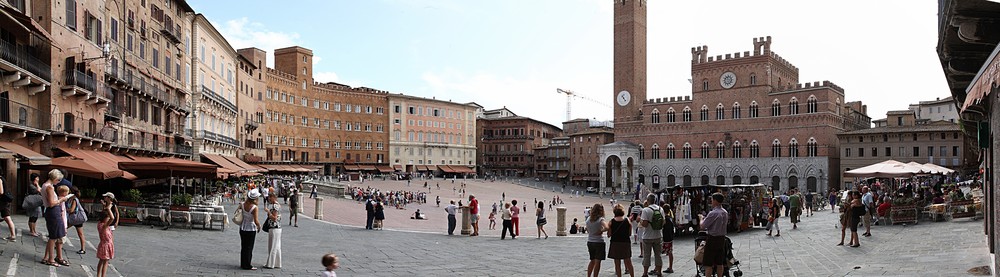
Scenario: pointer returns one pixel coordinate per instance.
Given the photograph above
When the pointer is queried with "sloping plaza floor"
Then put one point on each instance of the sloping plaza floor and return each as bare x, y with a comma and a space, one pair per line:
926, 249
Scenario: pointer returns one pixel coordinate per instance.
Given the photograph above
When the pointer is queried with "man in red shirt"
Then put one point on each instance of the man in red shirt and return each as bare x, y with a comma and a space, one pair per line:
474, 210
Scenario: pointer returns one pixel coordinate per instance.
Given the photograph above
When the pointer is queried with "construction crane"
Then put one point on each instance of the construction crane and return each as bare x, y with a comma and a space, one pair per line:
569, 101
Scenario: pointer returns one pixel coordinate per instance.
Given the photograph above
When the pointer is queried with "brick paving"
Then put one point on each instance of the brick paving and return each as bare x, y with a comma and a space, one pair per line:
926, 249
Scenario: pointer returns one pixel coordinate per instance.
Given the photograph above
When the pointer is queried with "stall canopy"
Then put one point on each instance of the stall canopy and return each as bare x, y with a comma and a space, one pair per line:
169, 167
92, 164
384, 168
249, 168
224, 163
446, 169
939, 169
33, 158
886, 169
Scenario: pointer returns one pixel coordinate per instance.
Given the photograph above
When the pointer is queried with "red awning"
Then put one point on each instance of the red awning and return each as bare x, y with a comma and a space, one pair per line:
224, 163
384, 168
95, 164
33, 158
169, 167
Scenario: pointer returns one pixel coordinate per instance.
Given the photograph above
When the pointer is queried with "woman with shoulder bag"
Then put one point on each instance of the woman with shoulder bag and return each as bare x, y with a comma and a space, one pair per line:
540, 221
619, 231
33, 203
76, 217
249, 227
273, 228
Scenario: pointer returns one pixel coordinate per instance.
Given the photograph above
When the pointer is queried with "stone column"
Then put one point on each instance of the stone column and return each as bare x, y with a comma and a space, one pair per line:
561, 221
319, 208
466, 221
299, 209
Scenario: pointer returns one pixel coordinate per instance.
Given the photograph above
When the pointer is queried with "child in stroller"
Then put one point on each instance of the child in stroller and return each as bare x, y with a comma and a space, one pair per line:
731, 261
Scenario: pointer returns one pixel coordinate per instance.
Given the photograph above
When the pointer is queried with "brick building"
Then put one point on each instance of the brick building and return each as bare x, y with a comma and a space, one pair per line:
507, 142
328, 125
250, 103
747, 120
432, 136
905, 138
552, 160
584, 156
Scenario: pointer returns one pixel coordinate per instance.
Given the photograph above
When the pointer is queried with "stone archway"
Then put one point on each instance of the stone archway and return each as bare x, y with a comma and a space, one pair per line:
776, 183
793, 182
811, 184
612, 171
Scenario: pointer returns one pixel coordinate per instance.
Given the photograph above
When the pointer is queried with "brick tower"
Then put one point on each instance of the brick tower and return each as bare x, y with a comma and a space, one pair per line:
630, 60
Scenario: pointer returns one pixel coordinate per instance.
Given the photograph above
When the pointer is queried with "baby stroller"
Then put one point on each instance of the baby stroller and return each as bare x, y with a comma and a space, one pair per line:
731, 261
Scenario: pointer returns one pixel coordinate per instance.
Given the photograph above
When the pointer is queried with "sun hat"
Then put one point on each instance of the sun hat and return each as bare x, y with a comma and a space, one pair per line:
253, 194
108, 194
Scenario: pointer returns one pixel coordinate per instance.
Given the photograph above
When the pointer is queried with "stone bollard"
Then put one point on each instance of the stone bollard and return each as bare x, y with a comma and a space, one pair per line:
319, 208
466, 221
299, 209
561, 221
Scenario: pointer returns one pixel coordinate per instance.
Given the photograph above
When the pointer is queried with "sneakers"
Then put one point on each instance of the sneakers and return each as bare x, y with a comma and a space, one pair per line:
669, 270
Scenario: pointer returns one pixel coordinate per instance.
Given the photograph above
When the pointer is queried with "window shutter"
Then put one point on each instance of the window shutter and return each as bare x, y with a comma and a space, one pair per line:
99, 31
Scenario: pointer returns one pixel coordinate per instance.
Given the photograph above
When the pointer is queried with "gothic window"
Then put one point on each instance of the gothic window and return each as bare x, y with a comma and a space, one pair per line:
720, 150
793, 106
736, 110
687, 114
776, 148
642, 152
687, 150
704, 113
720, 112
793, 148
811, 106
704, 85
811, 149
753, 109
737, 150
670, 116
670, 151
754, 149
655, 116
775, 108
704, 150
656, 151
753, 79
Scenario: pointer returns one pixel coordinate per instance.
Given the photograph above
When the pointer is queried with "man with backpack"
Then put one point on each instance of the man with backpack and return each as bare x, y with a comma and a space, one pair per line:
652, 218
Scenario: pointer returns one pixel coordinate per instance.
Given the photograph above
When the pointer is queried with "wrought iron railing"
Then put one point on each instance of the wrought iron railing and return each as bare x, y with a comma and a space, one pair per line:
21, 57
81, 80
20, 114
217, 98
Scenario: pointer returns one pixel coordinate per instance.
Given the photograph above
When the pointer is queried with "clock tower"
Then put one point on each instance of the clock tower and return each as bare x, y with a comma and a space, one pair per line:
630, 59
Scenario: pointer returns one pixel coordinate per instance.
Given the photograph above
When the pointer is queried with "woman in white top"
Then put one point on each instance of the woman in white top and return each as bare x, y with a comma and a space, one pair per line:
248, 229
274, 233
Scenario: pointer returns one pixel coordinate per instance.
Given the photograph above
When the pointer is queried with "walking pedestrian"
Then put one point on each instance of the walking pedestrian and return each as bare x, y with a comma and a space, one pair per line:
437, 200
540, 220
795, 204
330, 262
715, 245
450, 209
619, 249
33, 203
809, 203
106, 248
293, 208
273, 233
651, 219
596, 226
55, 217
833, 200
493, 219
772, 218
784, 201
506, 214
668, 236
514, 217
312, 193
248, 229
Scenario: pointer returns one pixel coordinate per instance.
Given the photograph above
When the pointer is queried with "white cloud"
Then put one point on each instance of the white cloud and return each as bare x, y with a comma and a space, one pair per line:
324, 77
316, 60
242, 33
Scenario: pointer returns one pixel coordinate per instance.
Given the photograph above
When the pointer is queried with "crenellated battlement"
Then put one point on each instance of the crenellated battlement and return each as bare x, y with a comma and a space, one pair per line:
281, 74
667, 100
783, 62
813, 85
761, 46
369, 90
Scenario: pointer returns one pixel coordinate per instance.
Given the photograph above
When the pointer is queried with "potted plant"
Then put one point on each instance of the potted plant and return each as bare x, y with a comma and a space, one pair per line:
180, 202
87, 195
129, 216
130, 198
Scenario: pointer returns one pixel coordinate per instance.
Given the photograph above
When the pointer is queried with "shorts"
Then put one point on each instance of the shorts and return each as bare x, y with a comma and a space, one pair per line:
715, 251
78, 225
5, 210
796, 211
475, 218
668, 248
596, 250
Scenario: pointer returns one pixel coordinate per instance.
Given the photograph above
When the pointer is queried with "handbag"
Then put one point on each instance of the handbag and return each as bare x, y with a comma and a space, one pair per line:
77, 216
699, 253
31, 201
268, 225
238, 216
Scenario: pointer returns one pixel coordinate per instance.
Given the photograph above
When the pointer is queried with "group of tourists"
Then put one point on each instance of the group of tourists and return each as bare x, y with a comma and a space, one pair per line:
247, 218
398, 199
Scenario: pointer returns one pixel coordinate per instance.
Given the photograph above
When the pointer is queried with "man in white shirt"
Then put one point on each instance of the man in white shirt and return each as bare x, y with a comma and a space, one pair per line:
868, 200
651, 237
451, 209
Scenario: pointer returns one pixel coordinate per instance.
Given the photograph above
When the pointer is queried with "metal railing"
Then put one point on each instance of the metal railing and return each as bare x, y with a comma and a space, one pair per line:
81, 80
217, 137
183, 149
71, 124
21, 57
217, 98
20, 114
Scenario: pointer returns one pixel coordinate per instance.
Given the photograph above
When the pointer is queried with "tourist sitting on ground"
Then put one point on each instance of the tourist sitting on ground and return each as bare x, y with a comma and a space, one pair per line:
573, 228
418, 215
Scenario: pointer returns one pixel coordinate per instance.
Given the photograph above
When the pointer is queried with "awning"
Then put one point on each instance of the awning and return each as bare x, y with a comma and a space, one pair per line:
25, 22
563, 174
224, 163
384, 168
244, 165
95, 164
352, 168
33, 158
398, 167
367, 167
169, 167
982, 84
447, 169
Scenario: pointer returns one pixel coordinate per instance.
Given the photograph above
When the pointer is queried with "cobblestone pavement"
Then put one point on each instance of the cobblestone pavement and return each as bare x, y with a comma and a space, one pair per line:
926, 249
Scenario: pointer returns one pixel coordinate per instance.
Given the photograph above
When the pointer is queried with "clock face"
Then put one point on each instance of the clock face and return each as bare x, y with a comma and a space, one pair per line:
624, 97
728, 80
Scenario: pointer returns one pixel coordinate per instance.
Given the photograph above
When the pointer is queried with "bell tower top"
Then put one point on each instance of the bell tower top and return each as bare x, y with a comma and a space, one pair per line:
630, 59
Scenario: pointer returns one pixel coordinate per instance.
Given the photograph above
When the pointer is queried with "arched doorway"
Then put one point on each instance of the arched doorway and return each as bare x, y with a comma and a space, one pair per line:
720, 180
687, 180
811, 184
754, 179
776, 183
656, 180
704, 180
612, 171
737, 179
793, 182
671, 180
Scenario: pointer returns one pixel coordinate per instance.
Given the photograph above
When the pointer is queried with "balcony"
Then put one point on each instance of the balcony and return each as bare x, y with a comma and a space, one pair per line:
524, 137
183, 149
171, 33
251, 125
208, 93
209, 135
29, 68
21, 116
82, 128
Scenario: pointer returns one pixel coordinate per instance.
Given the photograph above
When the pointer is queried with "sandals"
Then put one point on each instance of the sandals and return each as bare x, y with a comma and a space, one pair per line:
11, 239
839, 244
81, 252
48, 263
63, 262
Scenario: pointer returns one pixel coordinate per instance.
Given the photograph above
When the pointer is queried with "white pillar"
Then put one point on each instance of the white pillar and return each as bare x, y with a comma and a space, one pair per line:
319, 208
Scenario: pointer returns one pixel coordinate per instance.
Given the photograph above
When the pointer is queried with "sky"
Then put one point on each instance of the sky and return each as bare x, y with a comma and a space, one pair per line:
516, 53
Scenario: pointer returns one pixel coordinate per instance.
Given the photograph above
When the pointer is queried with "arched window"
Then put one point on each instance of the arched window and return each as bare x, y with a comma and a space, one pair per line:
720, 150
687, 150
704, 85
720, 112
737, 150
642, 152
704, 150
655, 116
687, 114
670, 151
793, 148
776, 148
793, 106
811, 105
670, 115
754, 149
704, 112
736, 110
656, 151
775, 108
811, 149
753, 79
753, 109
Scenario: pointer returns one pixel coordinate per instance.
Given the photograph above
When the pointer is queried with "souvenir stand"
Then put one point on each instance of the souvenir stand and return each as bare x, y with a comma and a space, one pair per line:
745, 202
687, 202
